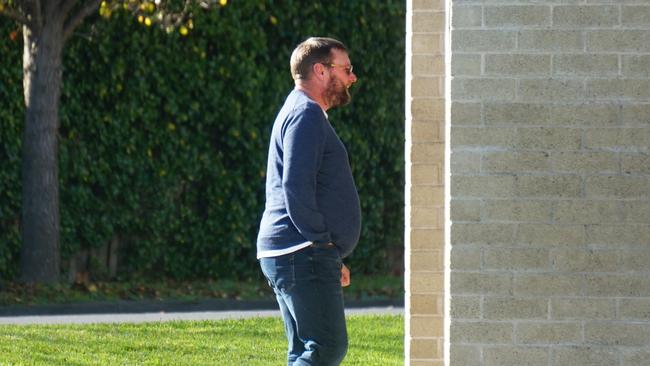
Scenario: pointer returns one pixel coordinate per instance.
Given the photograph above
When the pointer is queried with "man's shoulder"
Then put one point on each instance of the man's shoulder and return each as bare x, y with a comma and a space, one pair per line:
298, 107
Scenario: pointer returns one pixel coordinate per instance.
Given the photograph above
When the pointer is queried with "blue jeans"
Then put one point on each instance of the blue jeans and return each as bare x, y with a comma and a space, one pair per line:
307, 285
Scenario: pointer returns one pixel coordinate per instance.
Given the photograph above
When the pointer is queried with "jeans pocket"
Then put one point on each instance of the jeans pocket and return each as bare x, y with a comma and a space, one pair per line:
279, 272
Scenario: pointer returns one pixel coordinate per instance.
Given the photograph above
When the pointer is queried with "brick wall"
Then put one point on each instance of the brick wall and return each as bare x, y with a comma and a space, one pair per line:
550, 183
425, 198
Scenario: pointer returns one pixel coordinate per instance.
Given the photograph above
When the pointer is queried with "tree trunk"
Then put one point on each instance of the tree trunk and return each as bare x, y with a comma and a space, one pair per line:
42, 59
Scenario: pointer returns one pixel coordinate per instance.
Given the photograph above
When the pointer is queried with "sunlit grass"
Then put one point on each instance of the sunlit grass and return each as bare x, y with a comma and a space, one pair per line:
374, 340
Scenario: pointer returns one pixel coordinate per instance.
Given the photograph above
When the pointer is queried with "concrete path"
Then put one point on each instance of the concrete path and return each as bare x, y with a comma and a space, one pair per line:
160, 311
164, 317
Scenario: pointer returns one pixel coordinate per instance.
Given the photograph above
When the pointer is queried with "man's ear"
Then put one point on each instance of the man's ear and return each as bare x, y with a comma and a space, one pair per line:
319, 70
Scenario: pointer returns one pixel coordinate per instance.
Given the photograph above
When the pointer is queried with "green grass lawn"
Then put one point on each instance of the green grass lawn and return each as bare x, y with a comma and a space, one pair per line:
374, 340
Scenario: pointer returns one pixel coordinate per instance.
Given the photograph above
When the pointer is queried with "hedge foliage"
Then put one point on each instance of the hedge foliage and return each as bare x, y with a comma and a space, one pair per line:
163, 137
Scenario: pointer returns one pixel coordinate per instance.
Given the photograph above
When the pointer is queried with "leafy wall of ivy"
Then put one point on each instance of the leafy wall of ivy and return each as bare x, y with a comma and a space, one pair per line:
163, 137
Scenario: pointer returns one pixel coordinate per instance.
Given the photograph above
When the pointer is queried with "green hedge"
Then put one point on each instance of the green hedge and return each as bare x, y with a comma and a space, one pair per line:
163, 138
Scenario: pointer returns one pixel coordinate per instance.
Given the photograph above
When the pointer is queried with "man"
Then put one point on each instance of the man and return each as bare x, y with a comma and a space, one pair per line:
312, 217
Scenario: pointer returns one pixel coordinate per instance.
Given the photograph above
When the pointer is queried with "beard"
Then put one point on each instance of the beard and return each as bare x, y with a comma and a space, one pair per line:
337, 93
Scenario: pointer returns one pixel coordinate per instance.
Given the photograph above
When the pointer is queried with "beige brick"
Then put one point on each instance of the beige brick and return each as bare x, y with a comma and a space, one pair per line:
635, 15
427, 43
635, 309
479, 88
579, 260
515, 356
465, 65
625, 139
483, 40
617, 187
636, 260
510, 308
426, 326
482, 137
550, 89
465, 210
546, 234
636, 66
476, 283
597, 65
465, 355
515, 162
636, 114
550, 40
548, 284
428, 4
423, 131
426, 283
636, 357
637, 211
631, 285
509, 16
548, 138
428, 65
618, 40
427, 304
619, 235
426, 261
427, 152
585, 356
516, 114
426, 86
467, 113
426, 239
427, 217
583, 309
492, 234
465, 162
517, 64
427, 174
428, 108
588, 212
548, 186
585, 16
465, 307
636, 164
618, 89
585, 162
585, 114
481, 332
428, 21
517, 259
415, 362
617, 334
467, 16
482, 186
549, 333
465, 259
519, 210
427, 196
425, 348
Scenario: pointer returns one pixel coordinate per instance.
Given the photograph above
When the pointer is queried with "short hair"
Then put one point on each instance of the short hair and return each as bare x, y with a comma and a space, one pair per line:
312, 51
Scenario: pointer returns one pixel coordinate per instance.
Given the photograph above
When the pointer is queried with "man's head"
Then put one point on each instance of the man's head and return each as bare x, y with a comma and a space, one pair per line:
323, 66
314, 50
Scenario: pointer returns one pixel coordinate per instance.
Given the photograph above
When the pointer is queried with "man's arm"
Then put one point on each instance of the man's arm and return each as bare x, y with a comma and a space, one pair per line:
303, 144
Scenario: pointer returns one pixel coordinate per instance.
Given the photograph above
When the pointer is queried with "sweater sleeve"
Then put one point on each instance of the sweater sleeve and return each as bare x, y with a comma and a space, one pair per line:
303, 145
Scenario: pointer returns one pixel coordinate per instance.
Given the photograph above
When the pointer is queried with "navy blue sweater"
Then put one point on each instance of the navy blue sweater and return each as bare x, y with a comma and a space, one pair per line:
310, 191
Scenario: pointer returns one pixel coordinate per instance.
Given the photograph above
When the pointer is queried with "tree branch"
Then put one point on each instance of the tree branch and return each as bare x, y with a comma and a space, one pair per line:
15, 15
87, 9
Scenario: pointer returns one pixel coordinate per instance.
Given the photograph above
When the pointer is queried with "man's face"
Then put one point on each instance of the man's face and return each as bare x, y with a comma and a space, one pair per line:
340, 79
